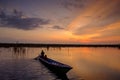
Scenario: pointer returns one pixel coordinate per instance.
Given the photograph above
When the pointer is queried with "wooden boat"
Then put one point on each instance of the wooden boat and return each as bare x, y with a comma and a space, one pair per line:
55, 66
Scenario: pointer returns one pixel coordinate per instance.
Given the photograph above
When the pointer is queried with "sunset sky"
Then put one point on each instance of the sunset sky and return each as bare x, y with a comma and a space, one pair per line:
60, 21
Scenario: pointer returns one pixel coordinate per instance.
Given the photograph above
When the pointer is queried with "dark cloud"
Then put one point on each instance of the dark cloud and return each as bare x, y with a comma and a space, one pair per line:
70, 4
16, 19
57, 27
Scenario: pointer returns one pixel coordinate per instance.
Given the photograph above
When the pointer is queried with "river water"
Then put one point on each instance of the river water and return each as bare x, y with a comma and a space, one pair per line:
88, 63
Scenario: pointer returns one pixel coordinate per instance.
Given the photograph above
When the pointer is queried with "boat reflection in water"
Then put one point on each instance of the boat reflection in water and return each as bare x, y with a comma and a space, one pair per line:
59, 69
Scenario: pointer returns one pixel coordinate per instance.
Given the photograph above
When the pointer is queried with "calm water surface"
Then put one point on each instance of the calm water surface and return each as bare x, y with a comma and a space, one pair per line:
87, 63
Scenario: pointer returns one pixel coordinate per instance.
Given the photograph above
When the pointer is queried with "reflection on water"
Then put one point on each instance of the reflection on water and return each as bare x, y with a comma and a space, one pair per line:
19, 49
16, 63
62, 76
19, 52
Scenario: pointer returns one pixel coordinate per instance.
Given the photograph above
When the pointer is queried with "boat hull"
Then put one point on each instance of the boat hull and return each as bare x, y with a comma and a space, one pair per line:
55, 68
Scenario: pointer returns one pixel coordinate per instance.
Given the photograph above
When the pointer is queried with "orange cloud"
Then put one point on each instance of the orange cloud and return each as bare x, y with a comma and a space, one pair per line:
98, 22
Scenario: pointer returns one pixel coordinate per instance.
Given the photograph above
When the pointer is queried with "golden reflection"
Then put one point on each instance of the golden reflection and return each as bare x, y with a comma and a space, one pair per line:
90, 62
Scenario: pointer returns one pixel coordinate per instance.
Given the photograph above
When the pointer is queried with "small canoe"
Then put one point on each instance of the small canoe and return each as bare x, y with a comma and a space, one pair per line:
55, 66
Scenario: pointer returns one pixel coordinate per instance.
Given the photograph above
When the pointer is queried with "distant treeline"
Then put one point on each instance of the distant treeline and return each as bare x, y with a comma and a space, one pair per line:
56, 45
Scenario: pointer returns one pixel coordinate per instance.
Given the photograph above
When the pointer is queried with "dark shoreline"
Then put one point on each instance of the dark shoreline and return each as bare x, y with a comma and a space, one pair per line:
57, 45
